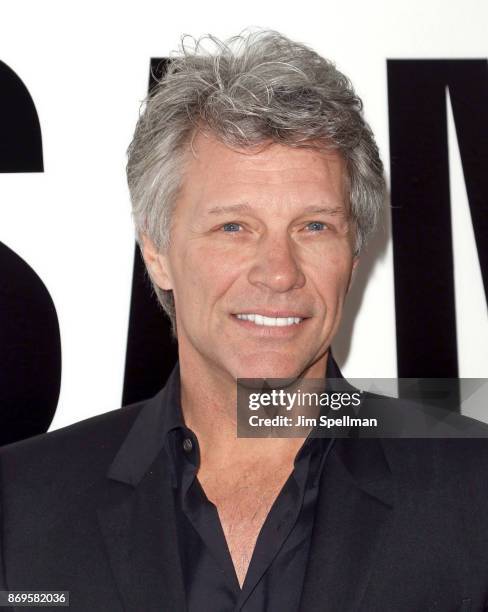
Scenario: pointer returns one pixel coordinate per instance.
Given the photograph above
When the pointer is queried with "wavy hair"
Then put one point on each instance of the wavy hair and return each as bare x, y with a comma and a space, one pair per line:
252, 89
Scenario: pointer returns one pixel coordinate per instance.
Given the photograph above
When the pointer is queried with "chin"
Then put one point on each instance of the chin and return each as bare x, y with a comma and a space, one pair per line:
268, 368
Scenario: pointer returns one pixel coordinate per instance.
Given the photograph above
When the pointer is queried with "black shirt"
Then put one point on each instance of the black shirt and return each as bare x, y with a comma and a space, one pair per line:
276, 571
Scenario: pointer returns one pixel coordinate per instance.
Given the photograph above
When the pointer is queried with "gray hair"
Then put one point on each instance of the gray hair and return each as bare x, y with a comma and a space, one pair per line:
252, 89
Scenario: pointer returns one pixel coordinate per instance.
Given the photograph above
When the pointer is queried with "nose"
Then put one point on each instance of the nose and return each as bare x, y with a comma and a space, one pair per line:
276, 266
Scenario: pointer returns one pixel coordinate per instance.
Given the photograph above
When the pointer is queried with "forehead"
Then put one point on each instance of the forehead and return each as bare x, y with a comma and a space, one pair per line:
214, 170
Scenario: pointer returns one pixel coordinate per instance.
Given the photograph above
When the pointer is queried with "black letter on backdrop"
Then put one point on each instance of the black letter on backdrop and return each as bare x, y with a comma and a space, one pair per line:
151, 352
30, 373
421, 215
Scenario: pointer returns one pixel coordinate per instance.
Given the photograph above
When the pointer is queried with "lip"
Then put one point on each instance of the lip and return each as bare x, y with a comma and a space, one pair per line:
265, 331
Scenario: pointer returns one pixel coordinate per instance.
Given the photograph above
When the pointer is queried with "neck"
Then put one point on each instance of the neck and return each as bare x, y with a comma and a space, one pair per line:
208, 401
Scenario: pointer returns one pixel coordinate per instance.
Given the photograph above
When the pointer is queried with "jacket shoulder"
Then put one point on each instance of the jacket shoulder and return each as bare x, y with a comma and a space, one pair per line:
460, 464
79, 452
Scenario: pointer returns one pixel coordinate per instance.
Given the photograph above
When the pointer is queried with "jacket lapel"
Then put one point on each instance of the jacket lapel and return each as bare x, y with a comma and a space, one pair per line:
137, 519
353, 513
138, 526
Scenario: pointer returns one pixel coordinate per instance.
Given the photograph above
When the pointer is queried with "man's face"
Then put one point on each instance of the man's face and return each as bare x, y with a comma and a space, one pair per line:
260, 260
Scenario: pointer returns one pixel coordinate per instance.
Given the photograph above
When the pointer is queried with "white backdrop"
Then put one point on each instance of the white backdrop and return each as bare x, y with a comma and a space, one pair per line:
86, 66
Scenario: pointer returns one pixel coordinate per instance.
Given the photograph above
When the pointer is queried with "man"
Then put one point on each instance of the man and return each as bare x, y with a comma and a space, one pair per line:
254, 182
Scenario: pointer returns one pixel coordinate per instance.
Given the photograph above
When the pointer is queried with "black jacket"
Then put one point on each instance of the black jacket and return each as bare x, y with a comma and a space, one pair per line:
401, 525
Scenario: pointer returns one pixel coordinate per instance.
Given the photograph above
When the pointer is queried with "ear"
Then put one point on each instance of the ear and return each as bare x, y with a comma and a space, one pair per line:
355, 262
157, 264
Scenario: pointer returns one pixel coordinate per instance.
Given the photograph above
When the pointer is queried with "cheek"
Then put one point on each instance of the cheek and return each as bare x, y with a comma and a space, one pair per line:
203, 275
332, 278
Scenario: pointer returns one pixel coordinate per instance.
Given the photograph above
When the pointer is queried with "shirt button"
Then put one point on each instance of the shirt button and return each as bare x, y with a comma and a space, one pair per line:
187, 445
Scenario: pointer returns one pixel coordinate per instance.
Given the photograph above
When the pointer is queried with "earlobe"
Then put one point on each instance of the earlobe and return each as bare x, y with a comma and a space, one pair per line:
157, 264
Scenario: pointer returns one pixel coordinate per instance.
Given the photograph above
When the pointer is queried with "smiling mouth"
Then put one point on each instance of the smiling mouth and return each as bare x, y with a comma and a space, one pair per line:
258, 319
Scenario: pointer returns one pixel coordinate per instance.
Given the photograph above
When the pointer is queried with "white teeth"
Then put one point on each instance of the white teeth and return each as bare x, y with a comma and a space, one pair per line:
269, 321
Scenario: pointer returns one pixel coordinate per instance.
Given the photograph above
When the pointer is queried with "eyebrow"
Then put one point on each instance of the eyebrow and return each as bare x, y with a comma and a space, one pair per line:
244, 207
217, 210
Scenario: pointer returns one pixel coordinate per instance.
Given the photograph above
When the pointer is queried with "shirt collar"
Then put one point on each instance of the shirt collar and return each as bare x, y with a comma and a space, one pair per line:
157, 417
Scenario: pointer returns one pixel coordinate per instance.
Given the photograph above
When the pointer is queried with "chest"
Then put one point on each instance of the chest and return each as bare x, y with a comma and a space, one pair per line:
243, 505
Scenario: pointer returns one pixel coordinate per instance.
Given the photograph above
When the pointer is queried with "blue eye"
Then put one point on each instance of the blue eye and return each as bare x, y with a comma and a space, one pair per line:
231, 227
316, 226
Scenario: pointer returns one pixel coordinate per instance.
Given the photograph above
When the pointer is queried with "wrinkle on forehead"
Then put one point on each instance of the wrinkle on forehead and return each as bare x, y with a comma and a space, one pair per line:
220, 176
246, 207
